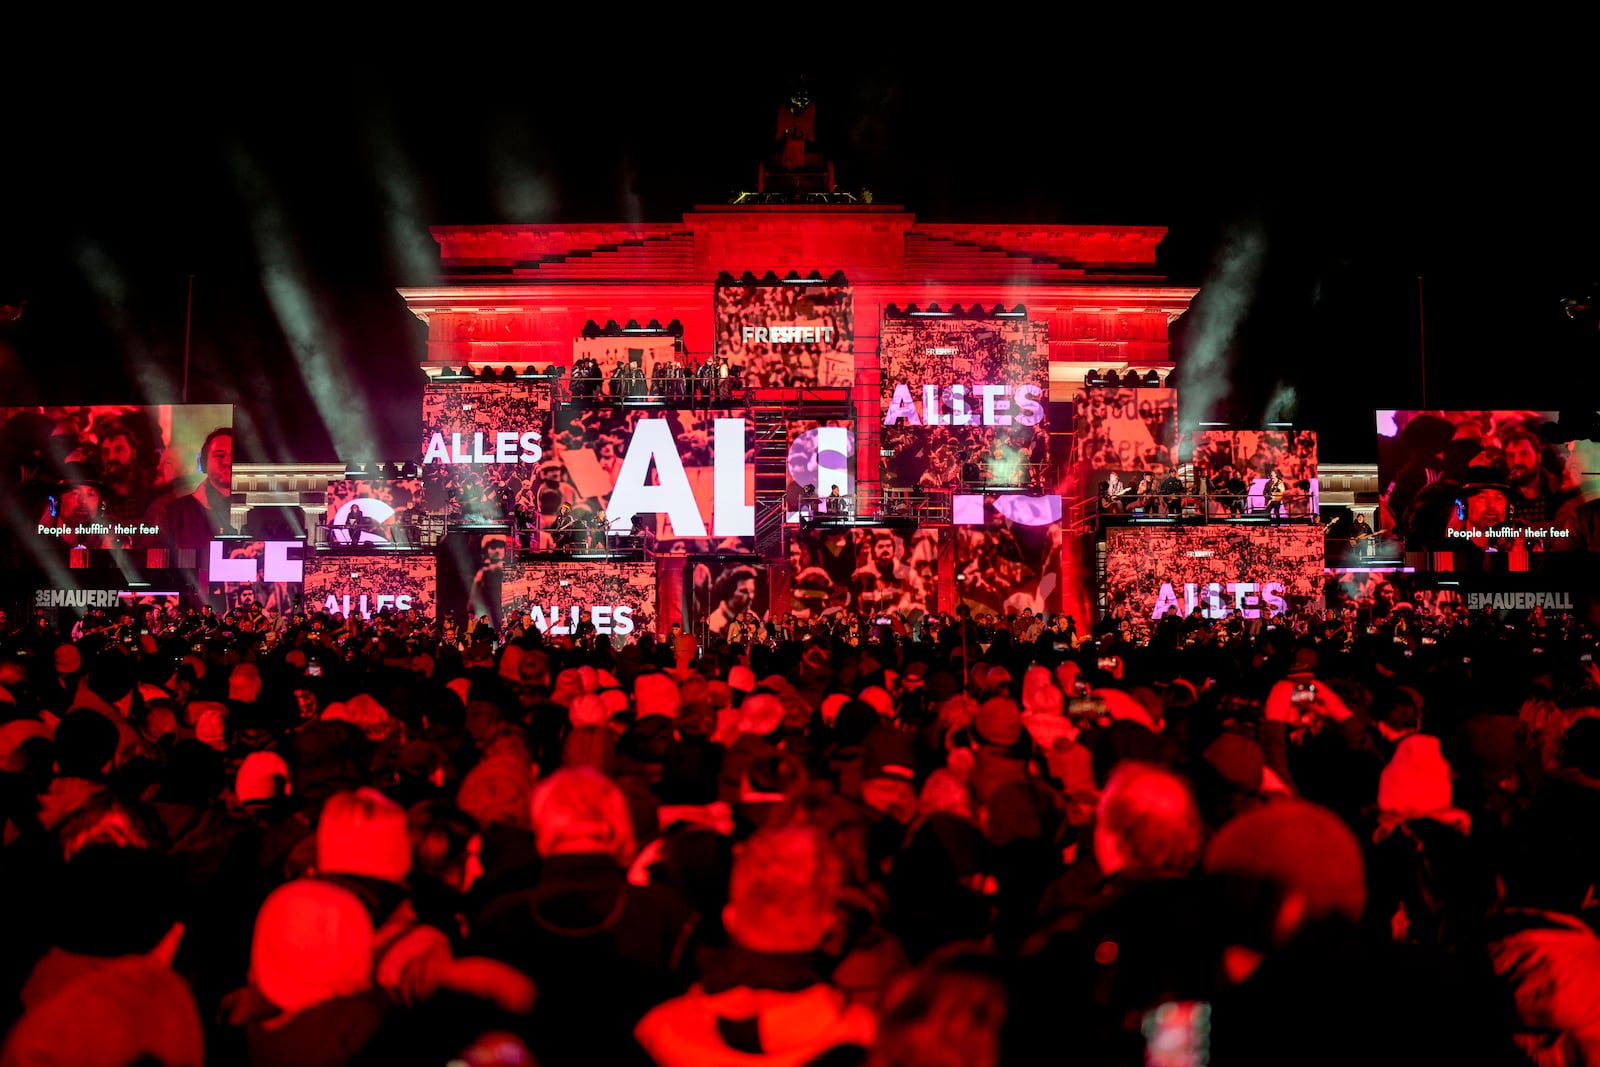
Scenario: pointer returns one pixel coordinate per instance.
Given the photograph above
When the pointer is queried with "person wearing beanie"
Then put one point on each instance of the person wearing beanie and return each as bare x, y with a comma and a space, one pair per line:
997, 753
1420, 867
655, 693
742, 680
1294, 953
311, 997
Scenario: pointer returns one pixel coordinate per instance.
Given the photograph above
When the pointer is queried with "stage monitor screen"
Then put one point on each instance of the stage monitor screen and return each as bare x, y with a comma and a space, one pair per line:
687, 476
822, 573
613, 599
1484, 490
374, 511
963, 403
787, 334
482, 443
240, 572
1256, 570
114, 476
821, 455
366, 585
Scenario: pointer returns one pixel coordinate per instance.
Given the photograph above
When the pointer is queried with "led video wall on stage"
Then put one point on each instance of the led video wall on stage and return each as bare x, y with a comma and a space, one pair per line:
1483, 490
617, 598
718, 590
389, 507
963, 400
1130, 431
365, 585
616, 368
875, 571
482, 443
821, 456
1258, 570
787, 334
1238, 464
1009, 562
109, 476
690, 474
240, 572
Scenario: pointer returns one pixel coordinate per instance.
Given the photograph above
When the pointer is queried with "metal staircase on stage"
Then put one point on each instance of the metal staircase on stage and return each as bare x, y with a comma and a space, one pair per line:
773, 410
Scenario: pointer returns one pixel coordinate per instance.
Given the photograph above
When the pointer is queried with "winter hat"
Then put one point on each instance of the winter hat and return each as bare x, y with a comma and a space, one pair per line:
741, 679
879, 698
655, 693
587, 710
831, 705
998, 722
497, 792
364, 833
312, 943
1417, 779
615, 702
761, 714
1300, 847
460, 687
262, 776
1239, 760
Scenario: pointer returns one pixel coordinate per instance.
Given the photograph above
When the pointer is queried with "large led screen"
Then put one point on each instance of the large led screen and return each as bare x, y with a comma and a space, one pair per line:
820, 455
1232, 471
482, 443
622, 368
1011, 561
787, 335
616, 599
876, 571
1470, 490
1256, 570
374, 511
114, 476
240, 572
369, 584
963, 402
689, 476
720, 592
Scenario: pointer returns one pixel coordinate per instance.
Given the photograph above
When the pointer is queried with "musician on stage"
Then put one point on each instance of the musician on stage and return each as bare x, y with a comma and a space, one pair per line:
1276, 488
838, 505
352, 524
1361, 534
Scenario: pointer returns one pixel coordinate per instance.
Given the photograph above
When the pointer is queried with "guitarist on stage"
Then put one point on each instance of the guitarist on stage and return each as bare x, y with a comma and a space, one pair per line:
1275, 490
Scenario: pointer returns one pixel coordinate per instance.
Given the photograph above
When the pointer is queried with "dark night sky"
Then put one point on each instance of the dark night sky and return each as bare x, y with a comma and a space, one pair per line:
298, 189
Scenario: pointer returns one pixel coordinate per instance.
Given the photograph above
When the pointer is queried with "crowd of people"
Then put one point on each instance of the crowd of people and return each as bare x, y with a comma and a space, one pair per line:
282, 838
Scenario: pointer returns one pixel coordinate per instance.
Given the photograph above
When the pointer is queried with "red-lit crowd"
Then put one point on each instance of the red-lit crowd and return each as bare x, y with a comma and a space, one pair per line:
374, 845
